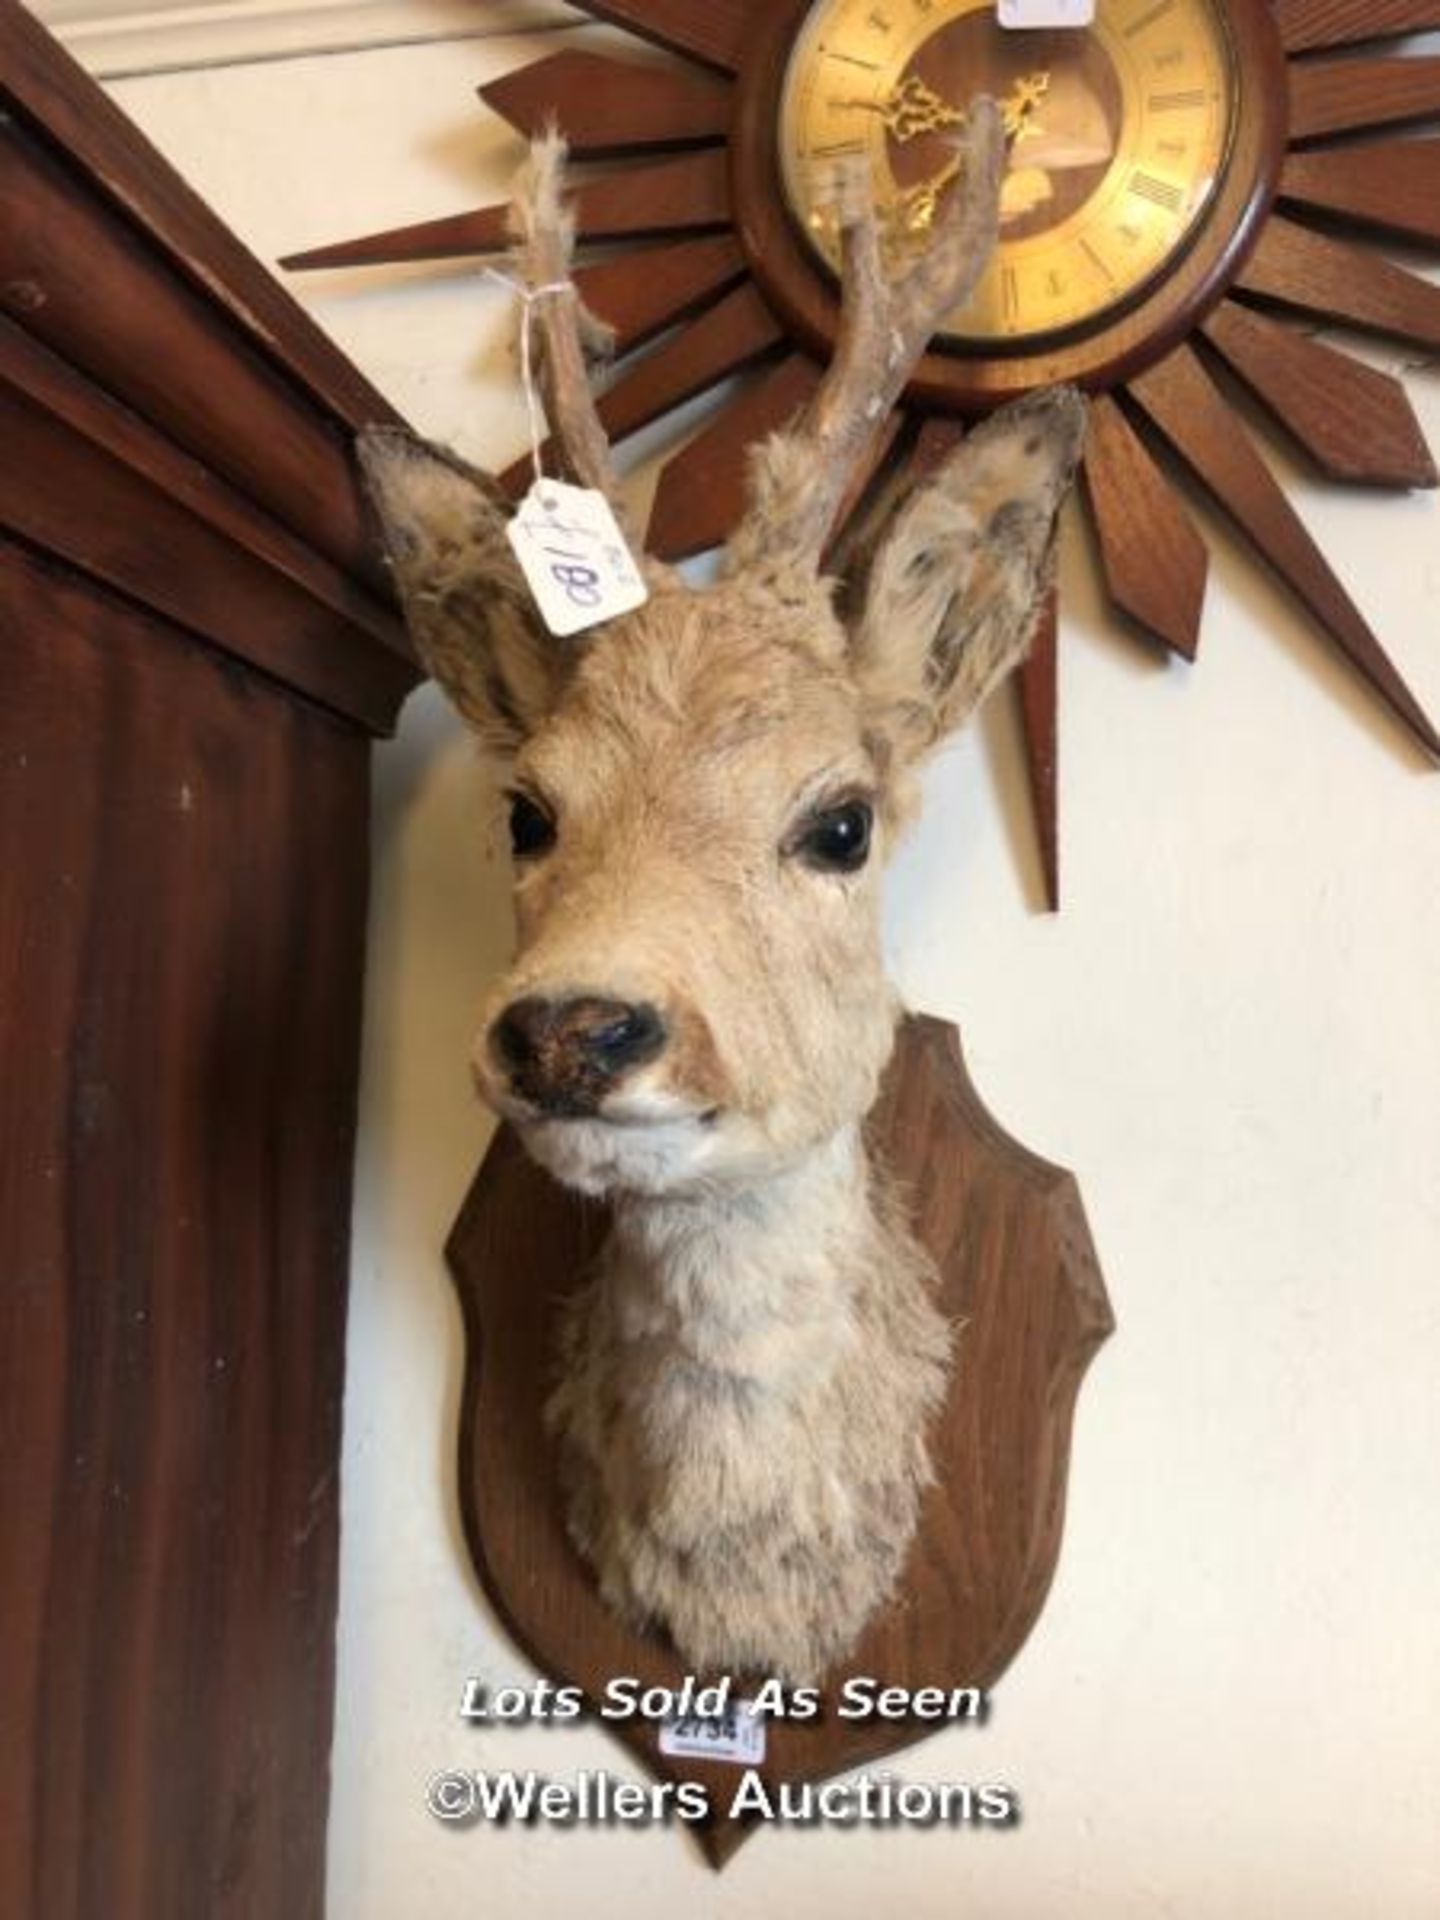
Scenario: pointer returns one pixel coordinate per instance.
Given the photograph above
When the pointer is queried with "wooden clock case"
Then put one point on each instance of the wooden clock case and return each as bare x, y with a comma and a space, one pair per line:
955, 381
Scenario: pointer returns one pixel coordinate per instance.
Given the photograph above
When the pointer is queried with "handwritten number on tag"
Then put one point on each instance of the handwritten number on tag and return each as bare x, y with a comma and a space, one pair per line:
580, 582
574, 557
567, 564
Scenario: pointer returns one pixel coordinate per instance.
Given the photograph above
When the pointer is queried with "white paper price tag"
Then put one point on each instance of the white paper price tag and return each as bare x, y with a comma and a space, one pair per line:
1046, 13
574, 557
737, 1735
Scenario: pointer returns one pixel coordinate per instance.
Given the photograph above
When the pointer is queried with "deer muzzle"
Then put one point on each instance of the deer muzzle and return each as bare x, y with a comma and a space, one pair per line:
563, 1057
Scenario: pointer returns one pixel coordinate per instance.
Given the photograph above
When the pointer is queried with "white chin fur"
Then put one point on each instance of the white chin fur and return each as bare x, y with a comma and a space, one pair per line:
595, 1157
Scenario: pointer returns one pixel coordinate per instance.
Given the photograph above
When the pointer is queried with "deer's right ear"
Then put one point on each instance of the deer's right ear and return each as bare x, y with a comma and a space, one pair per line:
468, 609
959, 578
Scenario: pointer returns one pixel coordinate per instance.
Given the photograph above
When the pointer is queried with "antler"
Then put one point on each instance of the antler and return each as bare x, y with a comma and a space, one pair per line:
567, 332
800, 476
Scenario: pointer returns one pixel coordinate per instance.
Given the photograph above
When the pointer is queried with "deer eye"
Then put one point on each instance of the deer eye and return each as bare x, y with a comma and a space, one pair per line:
532, 831
838, 840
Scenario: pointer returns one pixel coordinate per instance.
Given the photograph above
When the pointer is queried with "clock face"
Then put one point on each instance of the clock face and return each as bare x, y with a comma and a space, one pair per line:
1118, 137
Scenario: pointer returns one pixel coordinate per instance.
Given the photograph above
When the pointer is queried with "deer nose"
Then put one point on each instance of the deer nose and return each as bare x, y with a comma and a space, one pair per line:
566, 1055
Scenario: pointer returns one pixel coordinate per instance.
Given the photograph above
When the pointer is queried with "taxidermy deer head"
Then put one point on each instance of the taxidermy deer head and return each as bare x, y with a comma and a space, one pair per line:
703, 794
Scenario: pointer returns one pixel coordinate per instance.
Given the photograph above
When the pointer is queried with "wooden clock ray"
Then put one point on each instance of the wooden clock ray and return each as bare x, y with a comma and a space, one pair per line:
1244, 150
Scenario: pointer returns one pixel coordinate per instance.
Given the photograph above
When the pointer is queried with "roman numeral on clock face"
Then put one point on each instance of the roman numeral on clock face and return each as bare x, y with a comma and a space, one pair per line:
1160, 193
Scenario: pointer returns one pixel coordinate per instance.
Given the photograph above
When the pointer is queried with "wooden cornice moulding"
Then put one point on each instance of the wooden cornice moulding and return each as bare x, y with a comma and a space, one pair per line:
86, 480
42, 84
179, 428
162, 347
1020, 1277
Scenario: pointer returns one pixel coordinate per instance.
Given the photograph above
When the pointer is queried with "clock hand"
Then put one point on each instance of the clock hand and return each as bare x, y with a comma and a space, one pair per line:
1017, 110
913, 107
915, 207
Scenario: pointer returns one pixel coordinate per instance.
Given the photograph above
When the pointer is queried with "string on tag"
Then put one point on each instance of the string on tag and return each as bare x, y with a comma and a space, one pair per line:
527, 296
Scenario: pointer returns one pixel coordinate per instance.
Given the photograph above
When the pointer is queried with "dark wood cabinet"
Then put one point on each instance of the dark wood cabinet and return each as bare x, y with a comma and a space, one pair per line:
195, 650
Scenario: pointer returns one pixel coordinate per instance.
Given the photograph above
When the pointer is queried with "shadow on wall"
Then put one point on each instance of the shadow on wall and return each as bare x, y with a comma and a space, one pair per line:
440, 930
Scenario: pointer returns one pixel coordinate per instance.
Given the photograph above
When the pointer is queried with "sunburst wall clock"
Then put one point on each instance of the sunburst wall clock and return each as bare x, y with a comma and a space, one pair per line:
1191, 182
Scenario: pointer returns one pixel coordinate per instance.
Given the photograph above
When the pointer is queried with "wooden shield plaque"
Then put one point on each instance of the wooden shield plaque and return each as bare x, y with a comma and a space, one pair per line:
1018, 1271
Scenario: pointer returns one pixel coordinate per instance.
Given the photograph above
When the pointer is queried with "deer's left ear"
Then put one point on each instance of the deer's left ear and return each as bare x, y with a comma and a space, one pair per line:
958, 580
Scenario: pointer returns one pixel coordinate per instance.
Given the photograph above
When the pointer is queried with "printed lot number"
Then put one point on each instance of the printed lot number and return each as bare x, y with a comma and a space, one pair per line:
738, 1735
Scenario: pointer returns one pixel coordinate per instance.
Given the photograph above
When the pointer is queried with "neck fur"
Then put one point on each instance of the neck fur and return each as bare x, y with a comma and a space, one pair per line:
741, 1411
756, 1282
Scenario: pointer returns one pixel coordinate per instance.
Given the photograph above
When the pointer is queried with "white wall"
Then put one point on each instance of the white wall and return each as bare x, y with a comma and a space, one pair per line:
1229, 1708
